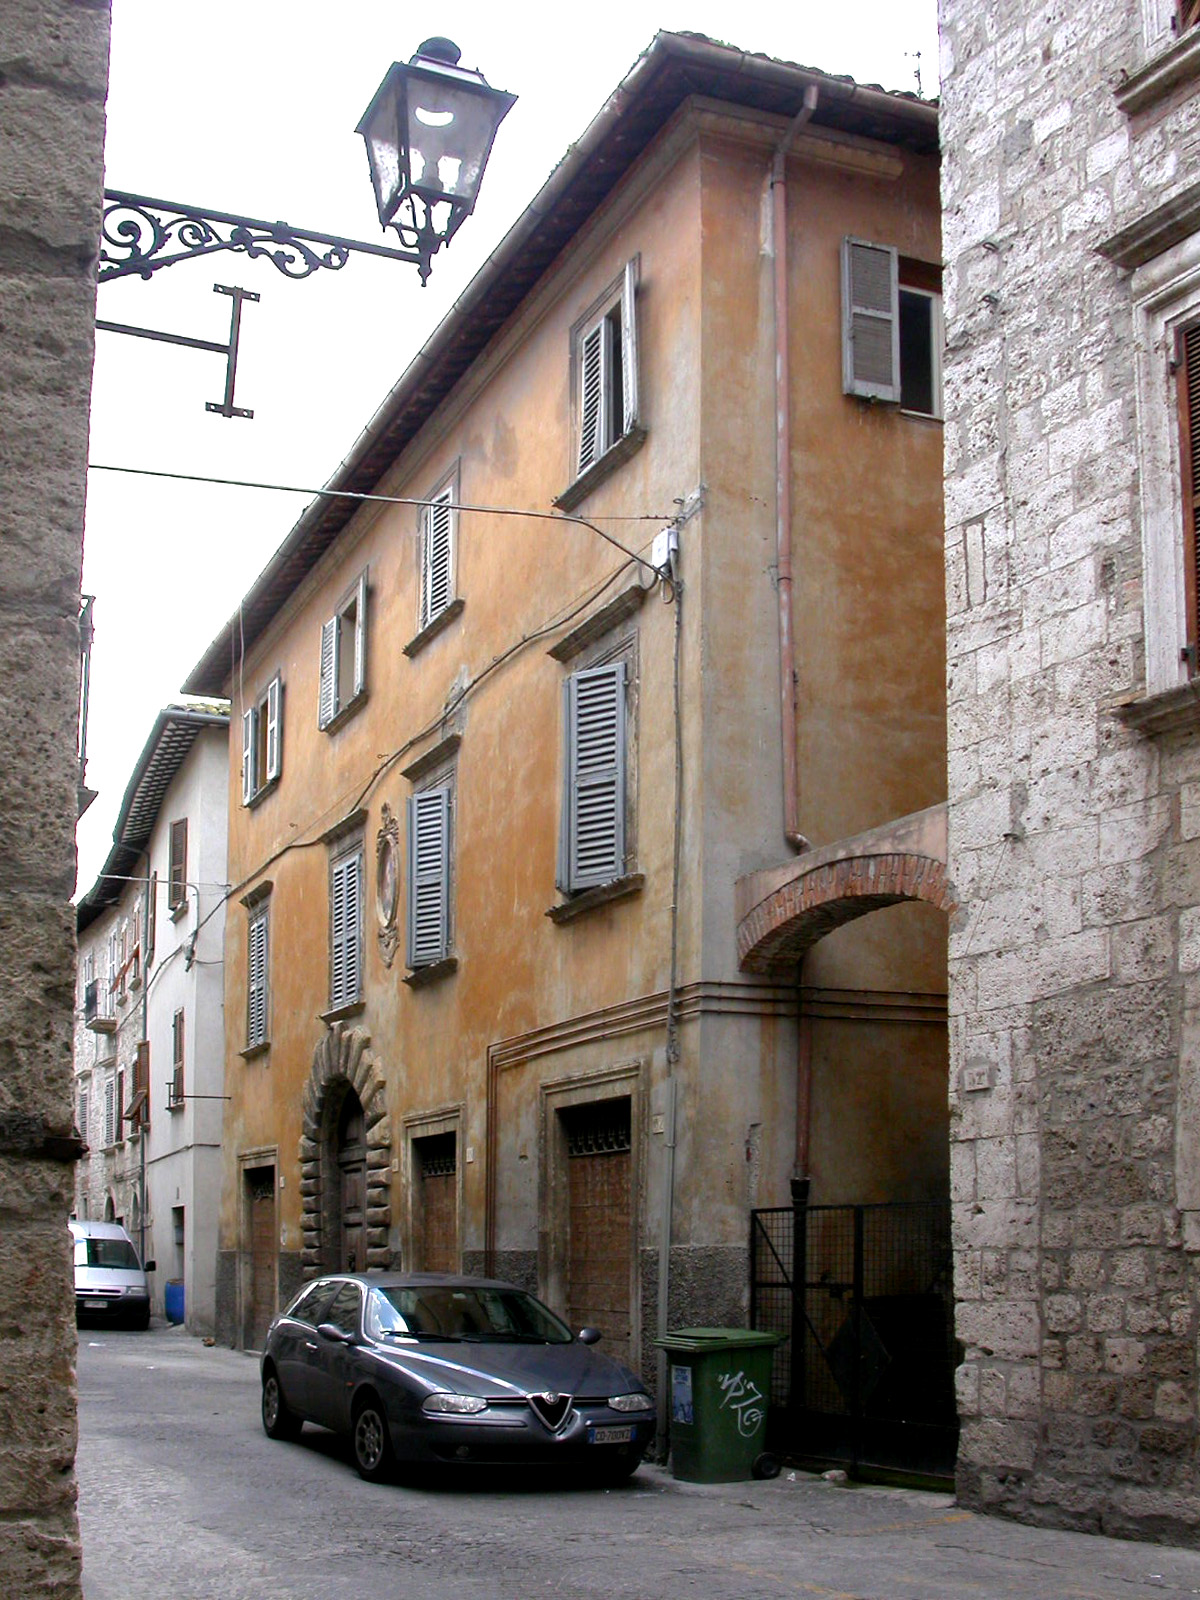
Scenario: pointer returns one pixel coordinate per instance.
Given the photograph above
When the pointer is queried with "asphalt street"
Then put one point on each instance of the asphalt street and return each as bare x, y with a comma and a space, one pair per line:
182, 1496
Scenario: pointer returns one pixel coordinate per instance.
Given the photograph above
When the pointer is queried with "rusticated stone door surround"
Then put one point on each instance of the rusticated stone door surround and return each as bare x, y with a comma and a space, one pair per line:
342, 1062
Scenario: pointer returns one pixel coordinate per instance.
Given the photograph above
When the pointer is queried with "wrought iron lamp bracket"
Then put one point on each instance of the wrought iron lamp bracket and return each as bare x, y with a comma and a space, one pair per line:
138, 235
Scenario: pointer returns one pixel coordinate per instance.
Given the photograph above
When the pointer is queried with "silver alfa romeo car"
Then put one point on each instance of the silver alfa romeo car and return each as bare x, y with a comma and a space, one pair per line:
430, 1367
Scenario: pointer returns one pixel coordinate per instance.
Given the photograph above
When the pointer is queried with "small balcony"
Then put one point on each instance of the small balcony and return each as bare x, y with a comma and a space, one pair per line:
96, 1013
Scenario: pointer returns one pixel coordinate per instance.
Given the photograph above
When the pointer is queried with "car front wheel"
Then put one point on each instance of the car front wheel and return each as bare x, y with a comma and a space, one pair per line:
372, 1447
278, 1422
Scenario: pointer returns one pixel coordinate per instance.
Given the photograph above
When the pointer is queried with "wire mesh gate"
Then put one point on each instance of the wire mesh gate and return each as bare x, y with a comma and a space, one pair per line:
869, 1380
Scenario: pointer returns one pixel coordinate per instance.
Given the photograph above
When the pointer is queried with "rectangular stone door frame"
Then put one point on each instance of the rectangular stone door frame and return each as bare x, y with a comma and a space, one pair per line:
248, 1161
425, 1125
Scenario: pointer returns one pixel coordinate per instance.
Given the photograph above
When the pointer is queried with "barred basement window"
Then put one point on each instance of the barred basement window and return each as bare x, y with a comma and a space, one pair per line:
603, 1128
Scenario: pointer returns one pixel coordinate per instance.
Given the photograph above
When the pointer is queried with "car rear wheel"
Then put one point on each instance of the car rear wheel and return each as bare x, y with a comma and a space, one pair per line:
277, 1420
372, 1447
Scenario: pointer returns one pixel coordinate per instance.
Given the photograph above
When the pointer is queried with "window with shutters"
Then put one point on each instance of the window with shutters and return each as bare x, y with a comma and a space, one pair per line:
177, 875
606, 415
1166, 343
175, 1098
262, 743
345, 928
430, 843
83, 1112
596, 843
891, 328
110, 1110
137, 1112
151, 919
437, 556
343, 660
258, 975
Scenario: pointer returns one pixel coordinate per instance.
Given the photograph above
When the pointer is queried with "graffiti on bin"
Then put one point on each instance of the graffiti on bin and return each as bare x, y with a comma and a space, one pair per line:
745, 1399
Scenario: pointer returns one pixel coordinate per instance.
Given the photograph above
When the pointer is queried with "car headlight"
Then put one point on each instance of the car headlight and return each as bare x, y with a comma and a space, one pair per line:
630, 1402
457, 1405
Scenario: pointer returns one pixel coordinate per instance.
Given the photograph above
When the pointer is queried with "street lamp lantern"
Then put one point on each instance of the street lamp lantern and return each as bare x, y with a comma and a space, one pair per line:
429, 132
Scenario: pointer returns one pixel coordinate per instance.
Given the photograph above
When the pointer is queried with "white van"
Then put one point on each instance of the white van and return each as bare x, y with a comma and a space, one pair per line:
110, 1281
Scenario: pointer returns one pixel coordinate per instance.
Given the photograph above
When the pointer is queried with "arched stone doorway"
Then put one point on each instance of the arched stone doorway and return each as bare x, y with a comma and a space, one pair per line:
345, 1159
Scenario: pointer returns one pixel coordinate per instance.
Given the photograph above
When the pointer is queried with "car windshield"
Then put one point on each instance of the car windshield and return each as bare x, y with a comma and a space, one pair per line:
449, 1311
118, 1254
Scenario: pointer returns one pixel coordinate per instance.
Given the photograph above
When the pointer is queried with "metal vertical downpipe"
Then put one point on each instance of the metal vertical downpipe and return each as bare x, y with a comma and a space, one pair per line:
783, 478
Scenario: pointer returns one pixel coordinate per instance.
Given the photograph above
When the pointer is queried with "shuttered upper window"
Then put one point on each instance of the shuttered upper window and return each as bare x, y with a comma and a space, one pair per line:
592, 828
429, 843
345, 929
177, 879
606, 414
343, 666
891, 328
1187, 376
258, 951
439, 527
262, 742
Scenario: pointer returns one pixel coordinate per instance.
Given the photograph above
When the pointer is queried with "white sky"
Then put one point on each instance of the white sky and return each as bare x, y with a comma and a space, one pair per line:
250, 107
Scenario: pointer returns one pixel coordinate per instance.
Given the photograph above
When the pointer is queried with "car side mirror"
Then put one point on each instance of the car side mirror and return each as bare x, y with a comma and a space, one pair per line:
150, 1266
330, 1330
590, 1336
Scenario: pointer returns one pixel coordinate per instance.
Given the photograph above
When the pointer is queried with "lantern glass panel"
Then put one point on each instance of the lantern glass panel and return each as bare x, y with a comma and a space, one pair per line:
380, 131
450, 131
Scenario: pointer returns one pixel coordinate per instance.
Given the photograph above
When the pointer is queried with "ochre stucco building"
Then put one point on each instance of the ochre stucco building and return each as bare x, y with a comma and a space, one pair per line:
494, 996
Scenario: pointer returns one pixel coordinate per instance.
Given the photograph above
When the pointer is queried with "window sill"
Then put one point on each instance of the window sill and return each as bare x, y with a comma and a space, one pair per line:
1171, 711
627, 445
419, 977
344, 715
261, 794
102, 1024
176, 1105
431, 629
178, 910
603, 894
340, 1013
1178, 64
253, 1050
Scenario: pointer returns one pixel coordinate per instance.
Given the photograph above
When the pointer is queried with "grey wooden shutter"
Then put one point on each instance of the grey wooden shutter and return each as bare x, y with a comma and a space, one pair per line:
327, 694
595, 776
360, 638
256, 1016
629, 348
1187, 369
870, 320
345, 932
593, 394
274, 730
428, 876
248, 721
437, 555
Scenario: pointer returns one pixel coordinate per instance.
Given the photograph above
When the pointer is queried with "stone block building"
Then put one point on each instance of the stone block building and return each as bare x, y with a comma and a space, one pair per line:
53, 77
1071, 140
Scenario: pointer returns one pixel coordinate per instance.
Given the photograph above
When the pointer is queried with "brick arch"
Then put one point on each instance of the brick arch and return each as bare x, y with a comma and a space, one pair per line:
343, 1060
817, 899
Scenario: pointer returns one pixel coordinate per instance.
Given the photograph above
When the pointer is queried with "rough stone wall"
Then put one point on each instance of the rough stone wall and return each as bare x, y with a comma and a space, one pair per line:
1073, 848
53, 76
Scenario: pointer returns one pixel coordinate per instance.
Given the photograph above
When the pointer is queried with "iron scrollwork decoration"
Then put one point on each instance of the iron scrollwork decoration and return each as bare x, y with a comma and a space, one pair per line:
139, 235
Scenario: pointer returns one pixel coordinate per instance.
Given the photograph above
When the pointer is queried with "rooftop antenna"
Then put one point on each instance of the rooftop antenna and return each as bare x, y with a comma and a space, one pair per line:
915, 55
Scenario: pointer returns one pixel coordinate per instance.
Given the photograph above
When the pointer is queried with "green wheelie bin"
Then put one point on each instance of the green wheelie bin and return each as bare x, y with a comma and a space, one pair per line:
720, 1387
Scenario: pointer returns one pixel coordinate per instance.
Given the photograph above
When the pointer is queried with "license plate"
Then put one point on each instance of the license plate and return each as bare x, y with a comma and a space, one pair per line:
95, 1305
622, 1434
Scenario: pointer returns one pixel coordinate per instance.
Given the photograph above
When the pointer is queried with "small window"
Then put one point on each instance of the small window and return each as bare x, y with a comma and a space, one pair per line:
592, 829
177, 881
891, 328
345, 929
110, 1111
177, 1050
344, 657
151, 919
429, 847
262, 741
604, 362
83, 1113
258, 977
438, 536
